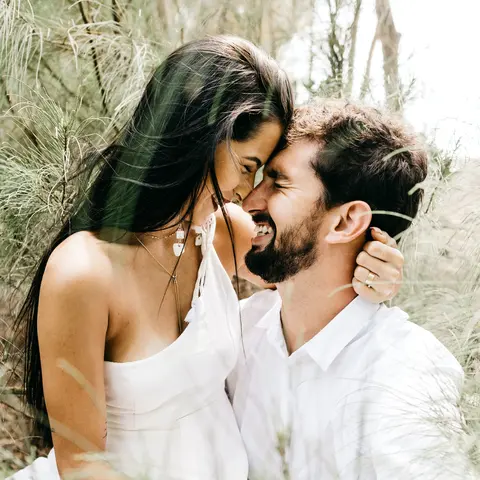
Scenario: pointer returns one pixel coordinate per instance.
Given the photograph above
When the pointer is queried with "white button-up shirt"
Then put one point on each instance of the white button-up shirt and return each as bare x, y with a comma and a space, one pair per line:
371, 396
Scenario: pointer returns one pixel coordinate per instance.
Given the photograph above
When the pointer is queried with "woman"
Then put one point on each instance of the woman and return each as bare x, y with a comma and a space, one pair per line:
107, 352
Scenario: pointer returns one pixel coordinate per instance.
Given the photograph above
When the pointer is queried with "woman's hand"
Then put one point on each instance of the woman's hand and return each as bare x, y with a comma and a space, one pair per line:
379, 270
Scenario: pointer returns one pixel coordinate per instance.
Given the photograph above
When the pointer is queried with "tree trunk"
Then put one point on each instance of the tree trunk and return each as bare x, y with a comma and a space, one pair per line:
353, 47
390, 39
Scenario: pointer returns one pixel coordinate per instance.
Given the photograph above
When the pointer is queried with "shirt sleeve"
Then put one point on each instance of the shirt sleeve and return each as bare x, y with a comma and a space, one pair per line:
406, 424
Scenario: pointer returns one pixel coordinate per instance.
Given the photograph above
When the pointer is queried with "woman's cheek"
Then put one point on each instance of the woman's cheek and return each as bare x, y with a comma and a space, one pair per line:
235, 181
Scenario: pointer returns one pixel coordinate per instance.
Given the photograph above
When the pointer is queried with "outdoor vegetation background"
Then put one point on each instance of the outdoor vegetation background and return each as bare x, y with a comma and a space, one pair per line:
70, 73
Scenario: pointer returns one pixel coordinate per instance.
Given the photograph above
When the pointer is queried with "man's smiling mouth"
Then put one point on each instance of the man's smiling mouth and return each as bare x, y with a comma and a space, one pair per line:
263, 229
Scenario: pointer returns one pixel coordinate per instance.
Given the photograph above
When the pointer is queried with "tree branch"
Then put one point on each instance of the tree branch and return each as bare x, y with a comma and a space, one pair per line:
336, 53
56, 77
96, 65
17, 410
116, 12
12, 391
7, 95
309, 83
366, 77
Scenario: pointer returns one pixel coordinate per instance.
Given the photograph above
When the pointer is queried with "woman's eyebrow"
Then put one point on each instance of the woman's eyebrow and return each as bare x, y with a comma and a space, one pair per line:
255, 159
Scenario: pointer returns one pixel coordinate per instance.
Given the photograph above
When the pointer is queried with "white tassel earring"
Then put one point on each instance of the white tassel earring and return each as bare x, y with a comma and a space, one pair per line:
198, 236
179, 246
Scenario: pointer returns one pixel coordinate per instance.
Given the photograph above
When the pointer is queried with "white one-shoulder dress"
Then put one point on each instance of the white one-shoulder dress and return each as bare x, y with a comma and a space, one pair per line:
168, 416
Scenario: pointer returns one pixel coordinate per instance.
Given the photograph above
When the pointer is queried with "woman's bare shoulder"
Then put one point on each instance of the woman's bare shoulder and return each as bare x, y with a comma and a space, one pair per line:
77, 282
75, 292
80, 258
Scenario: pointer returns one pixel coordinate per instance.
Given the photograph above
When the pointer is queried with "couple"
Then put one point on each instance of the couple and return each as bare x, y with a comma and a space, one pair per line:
132, 327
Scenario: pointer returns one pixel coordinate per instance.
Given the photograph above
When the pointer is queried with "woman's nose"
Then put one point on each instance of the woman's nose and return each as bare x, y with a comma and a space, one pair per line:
244, 189
255, 200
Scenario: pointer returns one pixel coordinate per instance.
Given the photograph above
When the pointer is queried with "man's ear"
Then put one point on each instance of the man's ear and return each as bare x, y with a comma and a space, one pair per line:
348, 222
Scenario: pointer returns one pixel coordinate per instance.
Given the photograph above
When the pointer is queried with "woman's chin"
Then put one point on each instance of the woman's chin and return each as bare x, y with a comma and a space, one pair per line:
203, 211
205, 208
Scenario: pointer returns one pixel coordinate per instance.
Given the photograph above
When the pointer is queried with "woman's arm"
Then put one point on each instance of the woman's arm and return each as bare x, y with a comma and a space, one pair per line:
72, 329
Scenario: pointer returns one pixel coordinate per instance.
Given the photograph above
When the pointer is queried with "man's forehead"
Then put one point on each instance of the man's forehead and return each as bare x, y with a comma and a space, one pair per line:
296, 156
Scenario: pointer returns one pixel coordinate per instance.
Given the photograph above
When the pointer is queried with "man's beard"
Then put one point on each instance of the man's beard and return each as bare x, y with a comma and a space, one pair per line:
296, 250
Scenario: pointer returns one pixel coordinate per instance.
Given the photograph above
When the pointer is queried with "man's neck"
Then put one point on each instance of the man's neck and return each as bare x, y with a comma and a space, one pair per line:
313, 298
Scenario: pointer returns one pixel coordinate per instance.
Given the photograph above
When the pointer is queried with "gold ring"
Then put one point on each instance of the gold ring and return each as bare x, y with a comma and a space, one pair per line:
369, 280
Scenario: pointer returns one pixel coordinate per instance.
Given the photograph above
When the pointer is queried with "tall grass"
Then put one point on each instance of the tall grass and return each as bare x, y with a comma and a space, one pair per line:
71, 72
441, 290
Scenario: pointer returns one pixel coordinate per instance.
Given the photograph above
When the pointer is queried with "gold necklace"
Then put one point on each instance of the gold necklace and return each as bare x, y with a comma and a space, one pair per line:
173, 277
156, 237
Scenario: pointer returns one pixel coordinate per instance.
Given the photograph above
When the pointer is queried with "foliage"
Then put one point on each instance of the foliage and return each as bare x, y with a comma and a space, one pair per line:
71, 71
442, 276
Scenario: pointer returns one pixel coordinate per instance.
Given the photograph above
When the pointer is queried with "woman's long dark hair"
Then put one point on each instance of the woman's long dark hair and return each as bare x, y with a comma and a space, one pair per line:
207, 91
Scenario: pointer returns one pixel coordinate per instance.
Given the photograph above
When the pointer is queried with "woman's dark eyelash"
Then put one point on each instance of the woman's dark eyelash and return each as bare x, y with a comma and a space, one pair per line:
276, 185
248, 169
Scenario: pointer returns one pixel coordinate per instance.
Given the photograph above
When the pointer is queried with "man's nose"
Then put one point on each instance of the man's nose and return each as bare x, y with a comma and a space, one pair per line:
255, 200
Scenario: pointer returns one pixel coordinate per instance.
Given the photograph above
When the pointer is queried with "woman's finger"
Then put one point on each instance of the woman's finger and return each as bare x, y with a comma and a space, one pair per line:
385, 271
361, 274
378, 293
383, 285
385, 253
367, 293
383, 237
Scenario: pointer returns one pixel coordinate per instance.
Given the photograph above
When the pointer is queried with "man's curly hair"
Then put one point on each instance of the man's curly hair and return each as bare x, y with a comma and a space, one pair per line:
364, 154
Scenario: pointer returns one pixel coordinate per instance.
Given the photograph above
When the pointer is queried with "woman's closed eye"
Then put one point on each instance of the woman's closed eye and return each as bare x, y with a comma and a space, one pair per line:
248, 170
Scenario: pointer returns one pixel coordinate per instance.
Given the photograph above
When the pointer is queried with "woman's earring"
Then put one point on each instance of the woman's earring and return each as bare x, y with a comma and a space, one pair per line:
178, 247
198, 236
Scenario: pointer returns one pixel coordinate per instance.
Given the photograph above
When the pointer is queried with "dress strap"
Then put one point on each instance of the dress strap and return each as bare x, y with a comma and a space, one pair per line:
207, 231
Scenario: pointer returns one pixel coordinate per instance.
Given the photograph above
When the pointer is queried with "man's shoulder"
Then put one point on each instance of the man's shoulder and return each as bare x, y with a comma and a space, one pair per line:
406, 345
395, 364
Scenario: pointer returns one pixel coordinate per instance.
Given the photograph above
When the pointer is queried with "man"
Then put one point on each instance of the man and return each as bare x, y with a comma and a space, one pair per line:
332, 386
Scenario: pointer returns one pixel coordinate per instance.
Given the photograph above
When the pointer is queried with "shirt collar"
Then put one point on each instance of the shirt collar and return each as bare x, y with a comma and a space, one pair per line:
327, 344
271, 315
270, 322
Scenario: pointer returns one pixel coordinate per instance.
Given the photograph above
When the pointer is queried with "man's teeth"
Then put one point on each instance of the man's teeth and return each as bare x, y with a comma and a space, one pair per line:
261, 230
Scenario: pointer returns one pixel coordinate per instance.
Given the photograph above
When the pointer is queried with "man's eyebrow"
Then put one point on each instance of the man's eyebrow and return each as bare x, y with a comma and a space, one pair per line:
275, 174
256, 160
